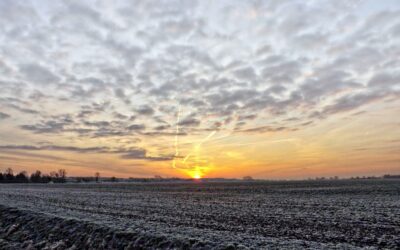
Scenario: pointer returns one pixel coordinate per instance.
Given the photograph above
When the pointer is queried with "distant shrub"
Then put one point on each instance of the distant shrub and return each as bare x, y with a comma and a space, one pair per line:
36, 177
9, 175
22, 177
248, 178
97, 176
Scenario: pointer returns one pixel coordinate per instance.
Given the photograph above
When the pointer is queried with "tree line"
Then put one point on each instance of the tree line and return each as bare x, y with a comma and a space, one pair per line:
8, 176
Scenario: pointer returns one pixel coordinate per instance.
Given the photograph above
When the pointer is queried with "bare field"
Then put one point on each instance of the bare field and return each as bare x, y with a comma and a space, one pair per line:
224, 215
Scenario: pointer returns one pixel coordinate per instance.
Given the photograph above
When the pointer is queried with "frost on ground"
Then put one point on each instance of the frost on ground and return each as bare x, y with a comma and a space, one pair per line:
227, 215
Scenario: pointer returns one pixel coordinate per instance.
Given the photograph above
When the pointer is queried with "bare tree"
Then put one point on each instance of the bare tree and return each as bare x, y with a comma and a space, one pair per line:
22, 177
62, 174
9, 171
97, 176
9, 175
248, 178
54, 175
36, 176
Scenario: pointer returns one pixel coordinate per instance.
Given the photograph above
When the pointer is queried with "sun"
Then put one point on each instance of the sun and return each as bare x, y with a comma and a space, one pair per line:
197, 176
198, 172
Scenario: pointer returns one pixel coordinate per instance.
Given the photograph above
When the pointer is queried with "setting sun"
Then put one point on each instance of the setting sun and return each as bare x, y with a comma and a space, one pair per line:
197, 176
196, 173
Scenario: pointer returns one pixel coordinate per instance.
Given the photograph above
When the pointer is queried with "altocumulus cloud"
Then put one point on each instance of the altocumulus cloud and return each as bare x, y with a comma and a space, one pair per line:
4, 116
88, 69
124, 153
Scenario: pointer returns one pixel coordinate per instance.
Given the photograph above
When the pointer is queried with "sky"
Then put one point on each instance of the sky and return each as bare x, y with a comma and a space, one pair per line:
268, 89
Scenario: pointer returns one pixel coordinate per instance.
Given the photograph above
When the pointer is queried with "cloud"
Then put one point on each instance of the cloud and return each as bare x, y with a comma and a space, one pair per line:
31, 155
385, 80
327, 82
128, 153
277, 89
136, 127
99, 124
353, 101
120, 93
93, 109
23, 109
247, 117
145, 110
55, 148
232, 97
264, 129
246, 74
141, 154
284, 72
189, 122
4, 116
46, 127
120, 116
135, 154
38, 74
55, 124
162, 127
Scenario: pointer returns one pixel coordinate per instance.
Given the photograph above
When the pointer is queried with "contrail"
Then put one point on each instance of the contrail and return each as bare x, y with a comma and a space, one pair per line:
206, 139
199, 144
256, 142
176, 136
